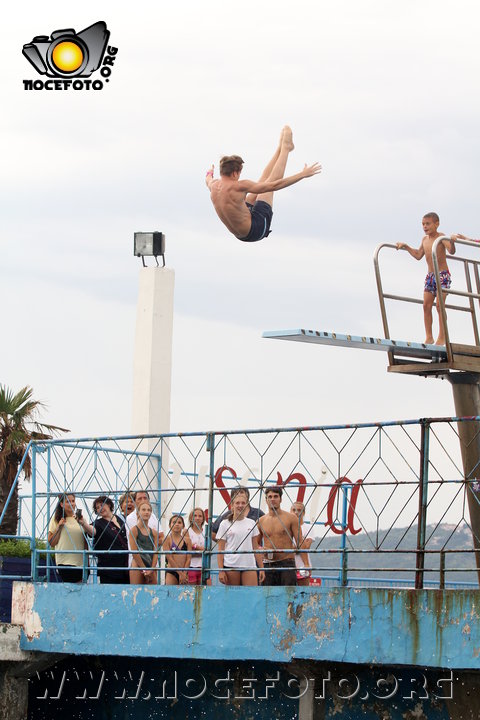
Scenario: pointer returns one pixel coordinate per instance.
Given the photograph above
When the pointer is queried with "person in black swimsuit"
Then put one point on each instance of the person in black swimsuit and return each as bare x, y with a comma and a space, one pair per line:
144, 542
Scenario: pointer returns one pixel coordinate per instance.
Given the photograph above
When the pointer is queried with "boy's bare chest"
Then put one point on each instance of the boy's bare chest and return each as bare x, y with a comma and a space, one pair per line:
428, 244
275, 526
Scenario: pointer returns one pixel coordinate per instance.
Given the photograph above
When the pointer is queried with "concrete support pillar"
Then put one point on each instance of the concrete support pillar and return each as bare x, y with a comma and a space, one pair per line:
312, 688
306, 702
13, 694
152, 366
16, 666
466, 395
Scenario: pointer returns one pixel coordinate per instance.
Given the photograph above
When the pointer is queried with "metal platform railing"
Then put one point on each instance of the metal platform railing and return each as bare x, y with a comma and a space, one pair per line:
472, 293
384, 499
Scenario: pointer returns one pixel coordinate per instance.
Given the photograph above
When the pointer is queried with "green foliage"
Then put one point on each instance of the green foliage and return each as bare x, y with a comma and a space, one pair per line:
19, 548
18, 427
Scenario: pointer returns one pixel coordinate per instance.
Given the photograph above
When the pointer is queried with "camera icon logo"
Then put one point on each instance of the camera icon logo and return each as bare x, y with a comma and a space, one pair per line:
67, 53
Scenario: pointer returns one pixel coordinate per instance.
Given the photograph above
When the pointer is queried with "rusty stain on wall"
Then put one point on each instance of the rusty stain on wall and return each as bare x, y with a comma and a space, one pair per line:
294, 613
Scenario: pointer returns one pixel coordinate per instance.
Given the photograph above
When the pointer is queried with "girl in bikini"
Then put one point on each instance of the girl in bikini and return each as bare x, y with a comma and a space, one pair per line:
178, 548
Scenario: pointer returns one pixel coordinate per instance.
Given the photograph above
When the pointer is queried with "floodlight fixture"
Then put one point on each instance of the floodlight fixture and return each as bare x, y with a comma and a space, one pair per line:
149, 244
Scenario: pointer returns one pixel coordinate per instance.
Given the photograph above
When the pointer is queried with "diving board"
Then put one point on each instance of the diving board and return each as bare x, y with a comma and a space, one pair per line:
413, 357
404, 356
398, 347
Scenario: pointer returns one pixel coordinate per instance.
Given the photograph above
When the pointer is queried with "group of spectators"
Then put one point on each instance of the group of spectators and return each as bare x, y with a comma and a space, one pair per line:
252, 547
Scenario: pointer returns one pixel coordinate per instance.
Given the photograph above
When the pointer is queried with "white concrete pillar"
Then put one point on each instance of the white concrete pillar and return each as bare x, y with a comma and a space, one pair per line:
152, 369
152, 365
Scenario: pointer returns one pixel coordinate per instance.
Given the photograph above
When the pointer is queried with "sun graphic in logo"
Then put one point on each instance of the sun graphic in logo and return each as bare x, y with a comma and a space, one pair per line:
67, 56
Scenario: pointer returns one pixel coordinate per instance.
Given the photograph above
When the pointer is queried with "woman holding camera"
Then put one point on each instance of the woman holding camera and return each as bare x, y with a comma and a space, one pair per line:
109, 534
67, 533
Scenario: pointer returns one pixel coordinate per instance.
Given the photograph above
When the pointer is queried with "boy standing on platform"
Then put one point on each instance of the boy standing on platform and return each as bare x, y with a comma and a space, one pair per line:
430, 223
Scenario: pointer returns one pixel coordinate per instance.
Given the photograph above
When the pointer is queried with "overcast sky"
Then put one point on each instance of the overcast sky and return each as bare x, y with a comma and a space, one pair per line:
383, 94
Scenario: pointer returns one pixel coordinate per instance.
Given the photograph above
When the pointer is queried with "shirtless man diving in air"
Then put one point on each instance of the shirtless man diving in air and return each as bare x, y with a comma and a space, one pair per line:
245, 206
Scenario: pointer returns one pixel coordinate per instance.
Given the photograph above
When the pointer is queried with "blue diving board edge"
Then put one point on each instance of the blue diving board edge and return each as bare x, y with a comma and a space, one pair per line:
398, 347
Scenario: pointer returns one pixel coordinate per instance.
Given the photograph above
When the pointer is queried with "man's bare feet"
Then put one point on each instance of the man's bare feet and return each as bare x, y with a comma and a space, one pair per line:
440, 341
428, 340
288, 138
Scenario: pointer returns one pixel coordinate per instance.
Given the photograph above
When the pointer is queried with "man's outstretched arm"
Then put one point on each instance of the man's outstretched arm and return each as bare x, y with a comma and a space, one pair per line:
209, 177
271, 185
459, 236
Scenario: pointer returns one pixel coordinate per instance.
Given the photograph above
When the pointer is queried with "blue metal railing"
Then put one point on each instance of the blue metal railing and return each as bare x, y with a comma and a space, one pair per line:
372, 490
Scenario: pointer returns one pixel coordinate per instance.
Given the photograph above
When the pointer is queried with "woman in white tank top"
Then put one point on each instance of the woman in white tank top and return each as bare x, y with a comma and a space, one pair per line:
196, 521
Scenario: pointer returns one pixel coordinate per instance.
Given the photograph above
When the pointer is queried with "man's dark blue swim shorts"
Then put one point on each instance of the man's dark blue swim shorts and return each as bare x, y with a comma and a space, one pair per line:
262, 214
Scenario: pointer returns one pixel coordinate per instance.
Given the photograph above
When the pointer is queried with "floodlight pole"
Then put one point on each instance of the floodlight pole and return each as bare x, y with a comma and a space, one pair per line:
466, 396
152, 367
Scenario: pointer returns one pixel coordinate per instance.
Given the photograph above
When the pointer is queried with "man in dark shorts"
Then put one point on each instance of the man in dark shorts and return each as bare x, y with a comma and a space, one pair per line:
262, 214
281, 534
245, 206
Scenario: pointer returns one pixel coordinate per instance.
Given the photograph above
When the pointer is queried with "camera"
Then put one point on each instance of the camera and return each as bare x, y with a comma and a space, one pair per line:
67, 53
78, 514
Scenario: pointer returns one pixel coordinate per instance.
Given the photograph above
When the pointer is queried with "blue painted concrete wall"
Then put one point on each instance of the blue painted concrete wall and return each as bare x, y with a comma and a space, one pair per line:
430, 628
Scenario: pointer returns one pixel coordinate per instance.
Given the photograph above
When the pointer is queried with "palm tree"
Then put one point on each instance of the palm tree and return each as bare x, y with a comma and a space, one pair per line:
18, 425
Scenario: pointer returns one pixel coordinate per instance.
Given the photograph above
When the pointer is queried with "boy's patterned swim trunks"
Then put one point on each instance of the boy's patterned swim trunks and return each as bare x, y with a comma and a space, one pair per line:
430, 284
